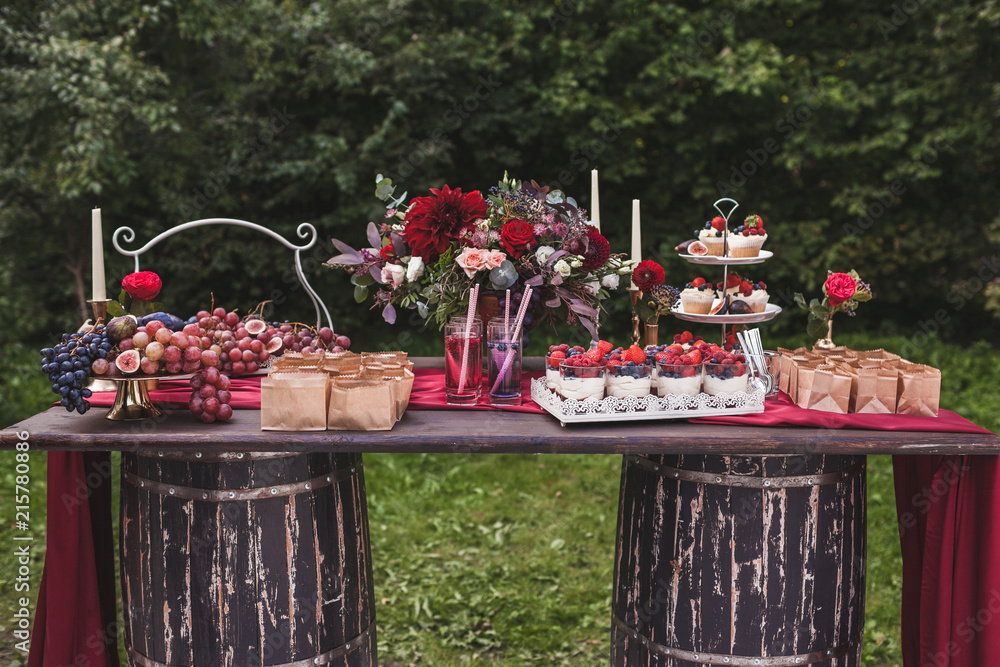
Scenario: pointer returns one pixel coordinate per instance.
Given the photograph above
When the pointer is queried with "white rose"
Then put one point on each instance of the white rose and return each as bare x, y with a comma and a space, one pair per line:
393, 274
562, 268
415, 268
543, 252
576, 264
610, 281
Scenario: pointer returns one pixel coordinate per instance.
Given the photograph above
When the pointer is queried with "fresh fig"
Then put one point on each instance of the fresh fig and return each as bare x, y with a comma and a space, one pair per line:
122, 327
255, 327
128, 361
274, 345
697, 249
740, 308
721, 308
683, 247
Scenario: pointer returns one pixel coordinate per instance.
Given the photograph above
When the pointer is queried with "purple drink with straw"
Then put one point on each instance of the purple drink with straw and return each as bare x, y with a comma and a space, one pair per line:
463, 339
504, 383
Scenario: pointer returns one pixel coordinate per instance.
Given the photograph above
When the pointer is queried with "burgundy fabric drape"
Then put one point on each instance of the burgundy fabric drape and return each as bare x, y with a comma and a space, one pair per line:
948, 507
949, 528
75, 618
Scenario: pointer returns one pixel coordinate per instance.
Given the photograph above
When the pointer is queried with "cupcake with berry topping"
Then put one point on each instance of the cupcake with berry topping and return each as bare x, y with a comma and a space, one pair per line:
630, 375
725, 373
747, 239
713, 235
758, 298
679, 374
733, 282
697, 297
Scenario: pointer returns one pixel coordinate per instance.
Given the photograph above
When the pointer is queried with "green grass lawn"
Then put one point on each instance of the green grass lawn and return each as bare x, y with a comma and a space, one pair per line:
507, 559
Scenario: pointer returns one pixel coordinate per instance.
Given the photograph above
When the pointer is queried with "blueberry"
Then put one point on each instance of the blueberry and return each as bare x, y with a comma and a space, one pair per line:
718, 234
631, 363
708, 225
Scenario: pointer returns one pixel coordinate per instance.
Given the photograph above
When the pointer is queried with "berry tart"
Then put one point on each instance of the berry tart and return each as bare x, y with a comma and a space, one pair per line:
679, 371
712, 235
697, 297
747, 239
582, 375
725, 373
629, 375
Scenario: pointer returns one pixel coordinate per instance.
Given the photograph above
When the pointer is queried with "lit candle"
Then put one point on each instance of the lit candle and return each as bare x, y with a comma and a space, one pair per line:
97, 262
636, 237
595, 201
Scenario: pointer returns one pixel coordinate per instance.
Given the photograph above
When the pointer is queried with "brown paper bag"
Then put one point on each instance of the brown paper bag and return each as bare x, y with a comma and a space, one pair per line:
844, 368
876, 389
919, 388
293, 401
786, 370
361, 405
830, 390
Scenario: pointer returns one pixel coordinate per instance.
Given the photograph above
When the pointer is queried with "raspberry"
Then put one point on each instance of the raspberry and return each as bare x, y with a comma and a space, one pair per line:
746, 232
578, 348
605, 347
636, 354
564, 348
678, 348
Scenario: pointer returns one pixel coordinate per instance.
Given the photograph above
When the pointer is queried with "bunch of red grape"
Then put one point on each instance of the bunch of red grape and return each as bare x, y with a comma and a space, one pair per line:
210, 396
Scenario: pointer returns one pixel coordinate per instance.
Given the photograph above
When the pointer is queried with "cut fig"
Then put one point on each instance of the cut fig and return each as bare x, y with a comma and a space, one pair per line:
721, 308
128, 361
683, 247
697, 248
255, 327
274, 345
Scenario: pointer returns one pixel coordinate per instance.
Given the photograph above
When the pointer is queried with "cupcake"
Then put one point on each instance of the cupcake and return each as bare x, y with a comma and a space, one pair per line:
758, 298
697, 297
743, 292
747, 239
712, 235
733, 281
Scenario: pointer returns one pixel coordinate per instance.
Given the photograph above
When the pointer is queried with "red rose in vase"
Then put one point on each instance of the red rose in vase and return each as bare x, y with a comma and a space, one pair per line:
143, 285
432, 223
516, 237
839, 287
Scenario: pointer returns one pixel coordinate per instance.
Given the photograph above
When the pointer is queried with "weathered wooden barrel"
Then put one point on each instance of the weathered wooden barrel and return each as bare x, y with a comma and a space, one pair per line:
740, 561
246, 560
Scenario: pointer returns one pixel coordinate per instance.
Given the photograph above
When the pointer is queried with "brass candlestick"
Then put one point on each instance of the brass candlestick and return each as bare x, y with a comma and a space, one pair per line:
100, 308
635, 294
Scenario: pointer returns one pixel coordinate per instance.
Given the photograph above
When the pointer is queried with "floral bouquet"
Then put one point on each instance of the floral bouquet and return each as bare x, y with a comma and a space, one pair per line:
431, 252
842, 292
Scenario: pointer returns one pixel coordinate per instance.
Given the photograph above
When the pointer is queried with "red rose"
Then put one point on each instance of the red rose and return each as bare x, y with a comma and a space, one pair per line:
387, 252
516, 236
839, 287
144, 285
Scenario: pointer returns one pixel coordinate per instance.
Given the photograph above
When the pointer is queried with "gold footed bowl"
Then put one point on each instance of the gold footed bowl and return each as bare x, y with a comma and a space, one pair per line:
132, 402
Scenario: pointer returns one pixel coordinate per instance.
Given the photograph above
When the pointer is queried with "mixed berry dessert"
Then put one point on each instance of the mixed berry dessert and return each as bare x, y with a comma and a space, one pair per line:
629, 374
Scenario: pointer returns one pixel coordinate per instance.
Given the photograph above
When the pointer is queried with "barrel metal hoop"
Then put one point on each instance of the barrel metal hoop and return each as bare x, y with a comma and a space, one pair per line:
217, 457
322, 659
258, 493
703, 658
747, 481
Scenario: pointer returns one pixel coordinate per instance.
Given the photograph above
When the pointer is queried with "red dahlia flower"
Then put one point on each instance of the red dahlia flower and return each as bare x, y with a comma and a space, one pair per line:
598, 250
648, 274
432, 223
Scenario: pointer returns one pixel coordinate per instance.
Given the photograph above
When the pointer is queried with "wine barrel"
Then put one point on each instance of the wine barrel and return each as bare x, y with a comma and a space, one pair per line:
246, 560
740, 561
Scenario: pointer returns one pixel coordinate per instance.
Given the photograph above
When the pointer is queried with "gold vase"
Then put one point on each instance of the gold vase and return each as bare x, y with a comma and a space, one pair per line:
826, 343
132, 402
652, 333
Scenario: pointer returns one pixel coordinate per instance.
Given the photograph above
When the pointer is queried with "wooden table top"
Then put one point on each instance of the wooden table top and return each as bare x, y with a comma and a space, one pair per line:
475, 431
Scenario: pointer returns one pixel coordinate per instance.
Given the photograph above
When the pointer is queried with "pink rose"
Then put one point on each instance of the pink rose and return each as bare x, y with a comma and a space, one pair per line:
495, 258
393, 274
472, 260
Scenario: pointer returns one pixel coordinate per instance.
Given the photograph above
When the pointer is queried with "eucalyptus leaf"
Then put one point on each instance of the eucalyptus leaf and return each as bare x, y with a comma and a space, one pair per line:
360, 293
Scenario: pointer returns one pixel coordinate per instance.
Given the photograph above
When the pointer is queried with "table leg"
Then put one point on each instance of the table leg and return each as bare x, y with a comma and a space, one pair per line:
743, 561
246, 559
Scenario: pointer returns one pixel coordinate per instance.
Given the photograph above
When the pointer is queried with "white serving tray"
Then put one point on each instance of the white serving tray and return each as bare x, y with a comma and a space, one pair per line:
631, 408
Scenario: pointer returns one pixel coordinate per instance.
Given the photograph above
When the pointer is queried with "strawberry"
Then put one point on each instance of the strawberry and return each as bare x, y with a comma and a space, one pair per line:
688, 372
718, 223
753, 220
636, 354
676, 348
738, 369
687, 337
660, 356
694, 356
746, 289
557, 355
698, 282
594, 355
732, 280
605, 347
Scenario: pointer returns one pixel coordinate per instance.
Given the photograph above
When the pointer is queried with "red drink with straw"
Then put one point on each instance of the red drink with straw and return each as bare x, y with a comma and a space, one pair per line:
463, 341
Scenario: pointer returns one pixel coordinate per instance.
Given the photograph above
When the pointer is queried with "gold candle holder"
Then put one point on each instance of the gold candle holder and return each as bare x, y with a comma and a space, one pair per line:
635, 294
100, 308
132, 402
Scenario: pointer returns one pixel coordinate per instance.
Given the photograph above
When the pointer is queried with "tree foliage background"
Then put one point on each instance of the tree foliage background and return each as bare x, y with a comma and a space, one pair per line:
864, 134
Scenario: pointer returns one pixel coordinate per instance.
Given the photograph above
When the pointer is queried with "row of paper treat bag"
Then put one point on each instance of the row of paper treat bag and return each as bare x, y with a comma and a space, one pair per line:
844, 380
341, 391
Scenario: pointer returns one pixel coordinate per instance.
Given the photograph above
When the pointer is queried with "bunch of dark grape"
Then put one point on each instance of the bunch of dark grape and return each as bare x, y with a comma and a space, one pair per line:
68, 366
210, 396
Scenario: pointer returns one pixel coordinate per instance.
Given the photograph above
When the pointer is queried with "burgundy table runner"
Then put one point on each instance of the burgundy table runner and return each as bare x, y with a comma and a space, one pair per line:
948, 508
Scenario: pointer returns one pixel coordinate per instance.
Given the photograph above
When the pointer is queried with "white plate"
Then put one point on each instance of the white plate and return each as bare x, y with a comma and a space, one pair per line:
715, 260
770, 312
